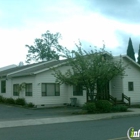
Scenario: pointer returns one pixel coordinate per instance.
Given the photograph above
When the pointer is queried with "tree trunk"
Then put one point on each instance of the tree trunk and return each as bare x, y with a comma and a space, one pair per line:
87, 93
92, 94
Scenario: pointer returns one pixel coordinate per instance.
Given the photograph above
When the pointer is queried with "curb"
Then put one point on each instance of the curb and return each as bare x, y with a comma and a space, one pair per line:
68, 119
125, 115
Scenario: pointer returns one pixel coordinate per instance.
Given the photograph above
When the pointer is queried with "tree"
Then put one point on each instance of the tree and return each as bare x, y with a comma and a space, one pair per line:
91, 69
139, 55
46, 47
130, 50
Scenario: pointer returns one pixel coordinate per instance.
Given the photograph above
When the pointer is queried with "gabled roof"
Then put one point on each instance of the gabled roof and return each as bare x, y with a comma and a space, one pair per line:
32, 69
21, 69
5, 72
131, 60
8, 67
35, 69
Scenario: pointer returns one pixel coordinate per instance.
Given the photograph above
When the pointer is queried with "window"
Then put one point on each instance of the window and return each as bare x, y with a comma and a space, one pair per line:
77, 90
3, 86
50, 89
44, 89
130, 86
28, 90
16, 89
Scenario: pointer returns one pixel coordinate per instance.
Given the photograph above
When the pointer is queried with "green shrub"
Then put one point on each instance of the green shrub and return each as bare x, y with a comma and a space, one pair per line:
4, 100
1, 99
103, 106
90, 107
135, 105
119, 108
20, 101
10, 101
30, 105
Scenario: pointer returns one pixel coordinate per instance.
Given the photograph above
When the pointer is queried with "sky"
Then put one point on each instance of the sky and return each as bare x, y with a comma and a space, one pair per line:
93, 22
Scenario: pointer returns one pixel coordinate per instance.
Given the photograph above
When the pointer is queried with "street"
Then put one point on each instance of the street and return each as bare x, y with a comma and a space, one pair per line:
87, 130
8, 112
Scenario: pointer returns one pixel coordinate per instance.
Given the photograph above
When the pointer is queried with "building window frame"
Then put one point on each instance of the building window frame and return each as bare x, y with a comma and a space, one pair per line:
3, 86
15, 89
28, 89
130, 86
55, 91
77, 90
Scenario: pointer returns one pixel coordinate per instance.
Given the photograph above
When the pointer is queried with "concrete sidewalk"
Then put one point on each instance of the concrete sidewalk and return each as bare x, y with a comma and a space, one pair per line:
72, 118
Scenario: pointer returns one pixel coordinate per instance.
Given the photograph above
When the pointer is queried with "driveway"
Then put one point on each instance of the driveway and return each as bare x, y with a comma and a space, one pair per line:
8, 112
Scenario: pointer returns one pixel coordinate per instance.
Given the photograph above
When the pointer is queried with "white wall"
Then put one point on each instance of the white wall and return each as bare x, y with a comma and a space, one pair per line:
47, 77
132, 75
20, 80
81, 100
66, 91
8, 88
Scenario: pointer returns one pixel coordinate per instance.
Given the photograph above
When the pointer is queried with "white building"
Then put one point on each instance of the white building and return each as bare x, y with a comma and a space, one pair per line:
42, 90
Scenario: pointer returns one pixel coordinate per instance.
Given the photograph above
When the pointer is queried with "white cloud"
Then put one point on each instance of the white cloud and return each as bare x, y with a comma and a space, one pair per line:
92, 28
73, 20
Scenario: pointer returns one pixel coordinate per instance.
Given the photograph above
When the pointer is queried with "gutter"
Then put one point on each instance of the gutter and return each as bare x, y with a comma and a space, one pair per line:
24, 75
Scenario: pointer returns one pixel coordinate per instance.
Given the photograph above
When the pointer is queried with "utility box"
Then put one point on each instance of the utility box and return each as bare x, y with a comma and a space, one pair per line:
73, 101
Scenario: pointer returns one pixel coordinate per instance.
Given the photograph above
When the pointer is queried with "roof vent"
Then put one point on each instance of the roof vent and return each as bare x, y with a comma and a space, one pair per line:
21, 63
44, 59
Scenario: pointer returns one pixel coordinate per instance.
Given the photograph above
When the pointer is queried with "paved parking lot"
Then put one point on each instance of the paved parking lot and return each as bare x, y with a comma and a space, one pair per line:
8, 112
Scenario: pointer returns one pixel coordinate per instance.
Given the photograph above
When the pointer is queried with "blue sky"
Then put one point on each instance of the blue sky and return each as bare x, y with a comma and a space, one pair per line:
91, 21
